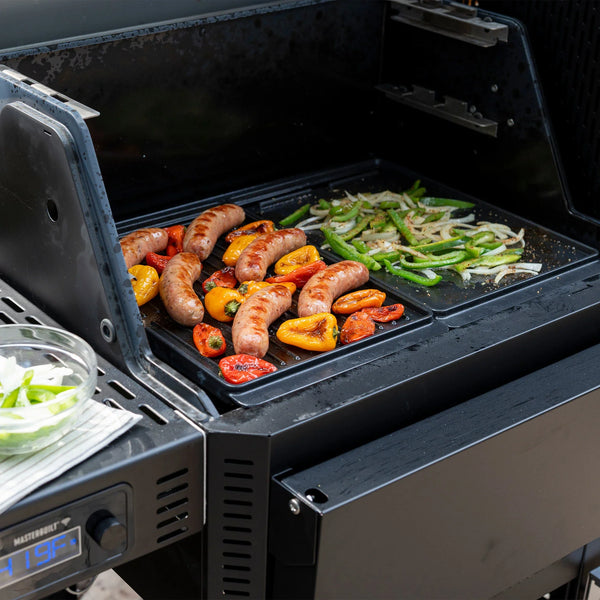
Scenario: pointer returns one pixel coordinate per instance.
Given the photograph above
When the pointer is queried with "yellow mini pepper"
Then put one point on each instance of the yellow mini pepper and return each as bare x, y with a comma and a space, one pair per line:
298, 258
318, 332
144, 280
222, 303
247, 288
236, 248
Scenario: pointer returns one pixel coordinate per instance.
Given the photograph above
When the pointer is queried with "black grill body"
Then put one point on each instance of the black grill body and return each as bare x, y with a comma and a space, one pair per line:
439, 459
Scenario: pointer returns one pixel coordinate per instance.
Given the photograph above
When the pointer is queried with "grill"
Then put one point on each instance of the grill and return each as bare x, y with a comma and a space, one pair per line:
441, 457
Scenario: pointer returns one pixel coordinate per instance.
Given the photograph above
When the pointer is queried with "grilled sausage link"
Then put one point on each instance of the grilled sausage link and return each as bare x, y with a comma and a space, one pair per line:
176, 287
137, 244
325, 286
255, 259
204, 231
250, 330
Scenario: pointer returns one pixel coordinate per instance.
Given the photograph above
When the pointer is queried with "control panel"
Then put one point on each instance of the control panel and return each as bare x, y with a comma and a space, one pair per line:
64, 543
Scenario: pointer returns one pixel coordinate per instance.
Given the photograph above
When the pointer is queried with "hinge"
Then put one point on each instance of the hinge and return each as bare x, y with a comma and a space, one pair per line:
450, 19
85, 111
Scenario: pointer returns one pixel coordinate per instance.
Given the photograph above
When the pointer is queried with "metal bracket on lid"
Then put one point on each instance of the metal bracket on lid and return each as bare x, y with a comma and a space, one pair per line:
451, 19
451, 109
85, 111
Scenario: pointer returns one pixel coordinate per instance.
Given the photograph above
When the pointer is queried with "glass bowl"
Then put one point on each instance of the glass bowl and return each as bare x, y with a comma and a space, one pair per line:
55, 374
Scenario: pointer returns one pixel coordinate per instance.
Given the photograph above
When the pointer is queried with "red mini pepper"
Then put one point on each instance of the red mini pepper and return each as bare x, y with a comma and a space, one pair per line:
384, 314
158, 261
357, 326
175, 243
300, 275
240, 368
223, 278
208, 340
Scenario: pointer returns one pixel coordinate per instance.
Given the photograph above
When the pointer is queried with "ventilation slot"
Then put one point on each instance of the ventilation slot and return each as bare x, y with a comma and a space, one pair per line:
6, 319
12, 304
237, 528
172, 494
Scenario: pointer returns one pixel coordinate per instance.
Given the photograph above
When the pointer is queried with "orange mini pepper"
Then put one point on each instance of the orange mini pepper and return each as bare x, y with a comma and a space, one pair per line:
354, 301
222, 303
299, 276
144, 280
247, 288
208, 340
357, 326
236, 248
318, 332
296, 259
384, 314
176, 234
250, 228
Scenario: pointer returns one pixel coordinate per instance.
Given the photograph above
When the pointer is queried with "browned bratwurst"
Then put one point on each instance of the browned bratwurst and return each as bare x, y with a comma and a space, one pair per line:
204, 231
263, 251
137, 244
176, 288
250, 330
325, 286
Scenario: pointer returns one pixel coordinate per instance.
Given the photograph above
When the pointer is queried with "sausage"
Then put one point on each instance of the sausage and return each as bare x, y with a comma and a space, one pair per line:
137, 244
176, 287
325, 286
204, 231
263, 251
250, 329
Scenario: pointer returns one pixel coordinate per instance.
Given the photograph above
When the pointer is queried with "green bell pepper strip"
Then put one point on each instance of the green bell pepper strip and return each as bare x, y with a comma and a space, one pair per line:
360, 226
491, 246
420, 279
388, 204
415, 186
347, 251
381, 256
441, 245
430, 201
488, 261
295, 216
324, 205
359, 245
450, 258
402, 227
473, 246
347, 216
432, 217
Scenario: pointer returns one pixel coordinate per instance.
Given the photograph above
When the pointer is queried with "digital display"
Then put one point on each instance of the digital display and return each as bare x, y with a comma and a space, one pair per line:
39, 556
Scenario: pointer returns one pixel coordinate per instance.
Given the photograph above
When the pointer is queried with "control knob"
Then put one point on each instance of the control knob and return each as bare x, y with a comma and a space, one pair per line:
107, 531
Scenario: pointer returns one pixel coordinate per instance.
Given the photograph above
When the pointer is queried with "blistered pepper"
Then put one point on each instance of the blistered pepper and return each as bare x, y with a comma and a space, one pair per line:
222, 303
236, 248
318, 332
384, 314
240, 368
222, 278
158, 261
354, 301
250, 228
144, 280
176, 234
298, 258
357, 326
208, 340
247, 288
300, 276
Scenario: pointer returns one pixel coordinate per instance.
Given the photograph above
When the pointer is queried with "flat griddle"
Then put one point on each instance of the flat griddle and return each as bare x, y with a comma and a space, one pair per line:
173, 343
555, 251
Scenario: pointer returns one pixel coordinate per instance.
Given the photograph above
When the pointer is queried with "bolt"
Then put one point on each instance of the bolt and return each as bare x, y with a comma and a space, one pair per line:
294, 506
510, 122
494, 88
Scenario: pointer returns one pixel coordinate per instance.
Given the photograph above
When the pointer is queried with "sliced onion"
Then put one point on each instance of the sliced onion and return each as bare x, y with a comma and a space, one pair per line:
342, 227
307, 221
318, 212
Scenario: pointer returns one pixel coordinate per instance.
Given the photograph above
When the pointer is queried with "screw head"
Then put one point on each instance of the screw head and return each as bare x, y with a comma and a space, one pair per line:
294, 506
